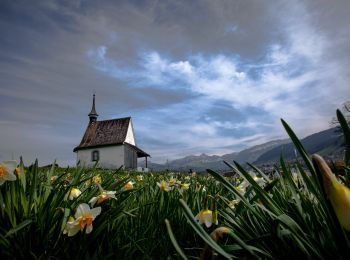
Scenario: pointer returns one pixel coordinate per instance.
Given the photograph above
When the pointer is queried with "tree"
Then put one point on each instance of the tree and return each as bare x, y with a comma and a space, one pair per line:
345, 109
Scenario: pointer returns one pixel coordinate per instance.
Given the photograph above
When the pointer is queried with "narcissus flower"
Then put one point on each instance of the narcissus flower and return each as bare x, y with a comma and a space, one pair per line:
6, 171
258, 180
200, 188
97, 179
105, 195
73, 193
163, 185
172, 181
232, 203
205, 216
83, 219
139, 177
338, 194
71, 228
185, 186
129, 185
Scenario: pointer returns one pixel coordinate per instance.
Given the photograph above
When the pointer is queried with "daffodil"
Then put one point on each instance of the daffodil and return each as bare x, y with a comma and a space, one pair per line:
200, 188
163, 185
338, 194
84, 216
105, 195
258, 180
71, 228
129, 185
241, 188
172, 181
205, 216
73, 193
6, 171
97, 179
185, 186
232, 203
139, 177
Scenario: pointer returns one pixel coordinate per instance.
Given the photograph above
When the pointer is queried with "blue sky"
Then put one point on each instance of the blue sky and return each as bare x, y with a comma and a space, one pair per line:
195, 76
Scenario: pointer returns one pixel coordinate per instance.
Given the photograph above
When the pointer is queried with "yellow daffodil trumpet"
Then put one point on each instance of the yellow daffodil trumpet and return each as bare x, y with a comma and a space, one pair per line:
337, 193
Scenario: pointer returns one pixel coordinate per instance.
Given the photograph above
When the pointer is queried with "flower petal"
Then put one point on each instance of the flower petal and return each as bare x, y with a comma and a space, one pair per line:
88, 229
95, 212
10, 176
73, 230
10, 165
82, 208
93, 201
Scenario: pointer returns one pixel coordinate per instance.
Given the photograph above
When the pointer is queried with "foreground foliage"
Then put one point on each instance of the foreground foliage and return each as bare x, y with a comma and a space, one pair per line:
93, 213
303, 211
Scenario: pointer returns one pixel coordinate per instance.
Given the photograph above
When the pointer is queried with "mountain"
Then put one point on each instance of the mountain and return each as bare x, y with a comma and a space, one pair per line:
327, 143
202, 162
253, 153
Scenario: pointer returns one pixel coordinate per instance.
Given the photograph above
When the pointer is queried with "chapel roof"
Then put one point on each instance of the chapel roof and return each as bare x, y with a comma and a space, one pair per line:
105, 133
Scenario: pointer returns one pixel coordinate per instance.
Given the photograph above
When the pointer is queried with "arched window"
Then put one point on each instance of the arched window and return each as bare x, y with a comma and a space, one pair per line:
95, 156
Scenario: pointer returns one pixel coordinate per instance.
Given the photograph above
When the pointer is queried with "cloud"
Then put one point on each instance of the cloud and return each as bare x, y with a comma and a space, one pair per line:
199, 76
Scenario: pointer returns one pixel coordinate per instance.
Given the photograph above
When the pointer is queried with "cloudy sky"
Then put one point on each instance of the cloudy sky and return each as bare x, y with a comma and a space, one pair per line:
195, 76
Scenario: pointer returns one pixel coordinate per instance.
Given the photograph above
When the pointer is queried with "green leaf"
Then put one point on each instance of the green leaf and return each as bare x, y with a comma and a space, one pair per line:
173, 240
346, 130
18, 227
298, 145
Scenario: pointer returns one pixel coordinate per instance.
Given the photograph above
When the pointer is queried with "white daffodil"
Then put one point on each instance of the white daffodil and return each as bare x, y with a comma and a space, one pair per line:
163, 185
7, 169
139, 177
129, 185
172, 181
205, 216
185, 186
105, 195
232, 203
73, 193
84, 216
71, 228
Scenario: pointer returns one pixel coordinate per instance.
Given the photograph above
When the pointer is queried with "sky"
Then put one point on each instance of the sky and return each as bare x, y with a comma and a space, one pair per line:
196, 77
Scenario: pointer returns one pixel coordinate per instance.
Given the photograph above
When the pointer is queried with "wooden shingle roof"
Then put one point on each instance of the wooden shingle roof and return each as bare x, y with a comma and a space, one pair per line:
105, 133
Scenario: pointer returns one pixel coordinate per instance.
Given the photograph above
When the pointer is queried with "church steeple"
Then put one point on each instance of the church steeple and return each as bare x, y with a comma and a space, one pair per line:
93, 115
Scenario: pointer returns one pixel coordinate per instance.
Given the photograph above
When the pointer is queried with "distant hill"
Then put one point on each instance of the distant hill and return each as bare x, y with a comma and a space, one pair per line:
326, 143
202, 162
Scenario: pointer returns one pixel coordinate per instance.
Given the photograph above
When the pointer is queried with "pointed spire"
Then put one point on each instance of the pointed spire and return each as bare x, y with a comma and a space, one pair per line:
93, 115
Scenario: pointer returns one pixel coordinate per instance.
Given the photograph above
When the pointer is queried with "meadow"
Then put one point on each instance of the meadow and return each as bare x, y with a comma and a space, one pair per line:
300, 210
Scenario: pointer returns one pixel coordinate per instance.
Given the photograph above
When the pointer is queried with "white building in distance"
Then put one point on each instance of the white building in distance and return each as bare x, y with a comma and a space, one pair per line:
111, 143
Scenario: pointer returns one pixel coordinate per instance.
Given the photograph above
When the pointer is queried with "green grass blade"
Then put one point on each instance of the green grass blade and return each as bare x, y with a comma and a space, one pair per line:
346, 130
18, 227
173, 240
298, 145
